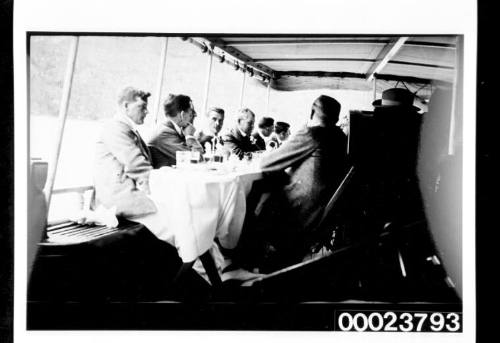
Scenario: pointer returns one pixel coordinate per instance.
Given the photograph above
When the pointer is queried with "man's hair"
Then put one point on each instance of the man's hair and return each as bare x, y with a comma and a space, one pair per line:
243, 113
130, 94
175, 103
216, 110
265, 122
330, 107
281, 127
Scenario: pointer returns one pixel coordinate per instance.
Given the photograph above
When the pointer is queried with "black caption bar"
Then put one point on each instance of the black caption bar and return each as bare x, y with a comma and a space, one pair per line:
397, 321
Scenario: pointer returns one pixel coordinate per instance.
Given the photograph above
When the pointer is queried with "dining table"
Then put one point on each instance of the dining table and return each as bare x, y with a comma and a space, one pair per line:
197, 203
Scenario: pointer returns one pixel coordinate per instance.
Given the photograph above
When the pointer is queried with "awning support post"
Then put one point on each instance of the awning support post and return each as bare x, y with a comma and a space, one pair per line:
207, 82
243, 84
159, 82
268, 96
61, 121
457, 96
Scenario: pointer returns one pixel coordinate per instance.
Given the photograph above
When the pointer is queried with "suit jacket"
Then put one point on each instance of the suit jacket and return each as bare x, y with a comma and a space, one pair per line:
204, 138
121, 170
259, 141
166, 141
309, 166
238, 144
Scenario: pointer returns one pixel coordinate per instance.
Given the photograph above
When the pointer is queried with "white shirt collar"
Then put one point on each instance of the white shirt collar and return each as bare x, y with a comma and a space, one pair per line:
242, 133
262, 136
128, 121
177, 128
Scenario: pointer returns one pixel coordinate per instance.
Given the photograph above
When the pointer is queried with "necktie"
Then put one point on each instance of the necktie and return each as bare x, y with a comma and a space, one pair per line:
143, 146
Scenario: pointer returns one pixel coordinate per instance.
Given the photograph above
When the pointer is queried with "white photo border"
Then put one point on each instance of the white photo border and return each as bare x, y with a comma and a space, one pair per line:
259, 16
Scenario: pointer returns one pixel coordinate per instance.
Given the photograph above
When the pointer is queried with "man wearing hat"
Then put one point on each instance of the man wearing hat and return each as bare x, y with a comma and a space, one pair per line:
398, 126
394, 158
281, 134
264, 129
123, 161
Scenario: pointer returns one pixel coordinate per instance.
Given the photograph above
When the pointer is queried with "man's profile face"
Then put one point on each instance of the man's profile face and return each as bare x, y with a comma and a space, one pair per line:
215, 122
283, 136
246, 124
316, 107
187, 117
137, 110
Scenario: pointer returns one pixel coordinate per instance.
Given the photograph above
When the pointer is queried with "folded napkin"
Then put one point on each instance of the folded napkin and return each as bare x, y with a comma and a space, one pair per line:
100, 216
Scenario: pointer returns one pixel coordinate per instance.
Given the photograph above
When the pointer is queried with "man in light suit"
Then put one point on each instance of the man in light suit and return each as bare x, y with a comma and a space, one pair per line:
123, 161
176, 133
239, 140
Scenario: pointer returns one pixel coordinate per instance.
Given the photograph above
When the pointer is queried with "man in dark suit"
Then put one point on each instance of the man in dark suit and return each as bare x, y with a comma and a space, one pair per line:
210, 134
305, 171
264, 129
123, 161
176, 133
239, 140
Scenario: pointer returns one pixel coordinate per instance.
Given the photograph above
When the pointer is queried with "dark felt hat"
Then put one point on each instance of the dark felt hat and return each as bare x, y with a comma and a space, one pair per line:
396, 97
281, 126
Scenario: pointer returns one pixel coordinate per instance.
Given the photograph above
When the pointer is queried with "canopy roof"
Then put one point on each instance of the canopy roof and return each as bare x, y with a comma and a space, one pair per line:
341, 62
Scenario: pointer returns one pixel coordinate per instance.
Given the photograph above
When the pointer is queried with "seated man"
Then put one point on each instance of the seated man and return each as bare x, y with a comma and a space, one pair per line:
123, 161
176, 133
305, 171
210, 135
281, 134
263, 133
238, 141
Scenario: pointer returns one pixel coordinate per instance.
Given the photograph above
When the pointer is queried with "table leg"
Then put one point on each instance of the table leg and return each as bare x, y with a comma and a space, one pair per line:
211, 269
182, 271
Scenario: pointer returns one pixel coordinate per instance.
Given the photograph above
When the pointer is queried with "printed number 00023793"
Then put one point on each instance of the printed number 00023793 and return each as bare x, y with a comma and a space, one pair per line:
399, 321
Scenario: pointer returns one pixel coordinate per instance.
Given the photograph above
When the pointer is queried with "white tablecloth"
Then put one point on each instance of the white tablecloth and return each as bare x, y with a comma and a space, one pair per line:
195, 206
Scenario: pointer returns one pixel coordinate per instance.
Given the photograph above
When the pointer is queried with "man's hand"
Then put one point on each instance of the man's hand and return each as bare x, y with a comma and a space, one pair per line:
194, 145
188, 130
143, 185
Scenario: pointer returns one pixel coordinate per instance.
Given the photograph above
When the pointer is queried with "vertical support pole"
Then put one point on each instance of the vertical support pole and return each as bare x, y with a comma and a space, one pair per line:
457, 95
207, 82
159, 82
268, 96
374, 88
243, 84
61, 121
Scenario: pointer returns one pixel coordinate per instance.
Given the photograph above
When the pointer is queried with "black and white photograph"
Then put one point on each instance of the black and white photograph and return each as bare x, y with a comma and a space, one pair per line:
244, 180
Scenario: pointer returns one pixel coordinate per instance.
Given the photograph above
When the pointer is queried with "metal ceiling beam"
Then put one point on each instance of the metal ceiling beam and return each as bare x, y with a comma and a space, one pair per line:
238, 43
237, 54
321, 59
384, 77
428, 65
431, 45
385, 56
